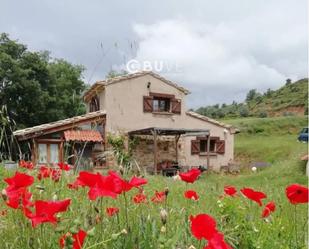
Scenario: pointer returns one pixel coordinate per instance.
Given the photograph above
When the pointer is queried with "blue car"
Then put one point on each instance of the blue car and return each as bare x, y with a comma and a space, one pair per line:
303, 135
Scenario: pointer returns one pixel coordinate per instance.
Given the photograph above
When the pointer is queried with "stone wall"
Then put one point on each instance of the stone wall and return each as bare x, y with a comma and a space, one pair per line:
143, 152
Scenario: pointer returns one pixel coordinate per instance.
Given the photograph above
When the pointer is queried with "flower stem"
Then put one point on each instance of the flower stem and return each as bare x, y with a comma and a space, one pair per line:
126, 210
295, 224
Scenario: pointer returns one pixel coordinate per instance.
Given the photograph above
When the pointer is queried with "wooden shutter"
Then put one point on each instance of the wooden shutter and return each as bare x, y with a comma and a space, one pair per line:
195, 147
147, 103
176, 106
220, 146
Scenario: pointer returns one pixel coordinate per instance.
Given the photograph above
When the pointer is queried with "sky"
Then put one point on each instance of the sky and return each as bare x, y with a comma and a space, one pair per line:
219, 50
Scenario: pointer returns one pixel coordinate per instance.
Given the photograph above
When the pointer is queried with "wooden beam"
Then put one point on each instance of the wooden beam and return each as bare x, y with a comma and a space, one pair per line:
162, 95
49, 140
61, 158
33, 152
176, 144
208, 152
155, 158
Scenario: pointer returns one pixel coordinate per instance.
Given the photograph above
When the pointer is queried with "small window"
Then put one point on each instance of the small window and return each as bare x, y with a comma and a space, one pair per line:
48, 153
42, 153
54, 153
94, 104
203, 145
161, 104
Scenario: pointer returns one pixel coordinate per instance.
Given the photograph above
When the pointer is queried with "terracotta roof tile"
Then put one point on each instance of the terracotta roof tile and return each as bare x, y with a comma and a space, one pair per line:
83, 136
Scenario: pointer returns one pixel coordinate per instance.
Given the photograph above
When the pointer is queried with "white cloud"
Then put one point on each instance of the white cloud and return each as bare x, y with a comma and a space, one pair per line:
225, 60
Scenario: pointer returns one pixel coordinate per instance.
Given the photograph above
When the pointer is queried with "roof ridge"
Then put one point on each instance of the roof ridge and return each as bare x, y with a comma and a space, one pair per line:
116, 79
205, 118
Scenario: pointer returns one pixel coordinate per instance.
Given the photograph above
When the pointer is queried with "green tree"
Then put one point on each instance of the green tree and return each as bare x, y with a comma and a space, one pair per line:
35, 88
251, 95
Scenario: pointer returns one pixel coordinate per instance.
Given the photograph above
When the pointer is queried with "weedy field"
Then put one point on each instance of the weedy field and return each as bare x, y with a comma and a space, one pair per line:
140, 217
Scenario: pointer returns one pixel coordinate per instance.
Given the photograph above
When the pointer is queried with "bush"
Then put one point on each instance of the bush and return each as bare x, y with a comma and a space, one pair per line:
244, 111
263, 114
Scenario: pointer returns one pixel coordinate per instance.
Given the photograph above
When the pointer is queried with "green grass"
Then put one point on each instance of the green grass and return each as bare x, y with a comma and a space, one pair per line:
237, 218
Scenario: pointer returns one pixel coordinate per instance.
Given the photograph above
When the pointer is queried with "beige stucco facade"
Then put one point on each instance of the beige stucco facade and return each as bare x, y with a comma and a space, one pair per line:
123, 103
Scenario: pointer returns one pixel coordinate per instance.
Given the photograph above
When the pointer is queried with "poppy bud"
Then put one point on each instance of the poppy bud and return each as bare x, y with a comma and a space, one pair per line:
163, 229
77, 221
115, 236
40, 187
96, 209
4, 194
163, 216
74, 230
191, 247
121, 170
166, 191
55, 197
91, 232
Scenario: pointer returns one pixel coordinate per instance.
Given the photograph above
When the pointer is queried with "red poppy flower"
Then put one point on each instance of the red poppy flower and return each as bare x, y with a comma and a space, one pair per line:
45, 211
203, 226
87, 179
44, 172
230, 190
78, 239
254, 195
56, 175
99, 185
139, 198
74, 185
136, 181
269, 208
19, 198
19, 180
122, 185
190, 176
158, 197
217, 242
191, 194
297, 194
25, 164
111, 211
64, 166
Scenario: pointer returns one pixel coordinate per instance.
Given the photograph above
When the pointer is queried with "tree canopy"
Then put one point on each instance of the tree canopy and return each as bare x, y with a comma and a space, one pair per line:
35, 88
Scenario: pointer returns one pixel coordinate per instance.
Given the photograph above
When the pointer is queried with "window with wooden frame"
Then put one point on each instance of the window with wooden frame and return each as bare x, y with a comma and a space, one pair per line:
204, 143
160, 102
48, 153
199, 146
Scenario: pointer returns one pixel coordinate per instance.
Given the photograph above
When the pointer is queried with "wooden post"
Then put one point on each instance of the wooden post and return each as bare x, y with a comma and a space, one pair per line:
208, 152
176, 144
34, 152
61, 154
155, 159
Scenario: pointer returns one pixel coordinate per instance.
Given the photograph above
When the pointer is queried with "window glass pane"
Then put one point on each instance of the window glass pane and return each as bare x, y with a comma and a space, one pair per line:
162, 105
203, 145
54, 153
42, 153
212, 145
155, 105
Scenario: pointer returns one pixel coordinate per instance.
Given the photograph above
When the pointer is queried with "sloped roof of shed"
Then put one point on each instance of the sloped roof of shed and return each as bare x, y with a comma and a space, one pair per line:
35, 130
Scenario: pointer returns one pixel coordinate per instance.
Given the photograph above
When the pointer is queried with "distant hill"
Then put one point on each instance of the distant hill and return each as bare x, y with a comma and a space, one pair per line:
289, 100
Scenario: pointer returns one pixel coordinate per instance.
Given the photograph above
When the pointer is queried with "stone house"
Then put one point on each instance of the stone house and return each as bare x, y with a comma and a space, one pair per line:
147, 106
